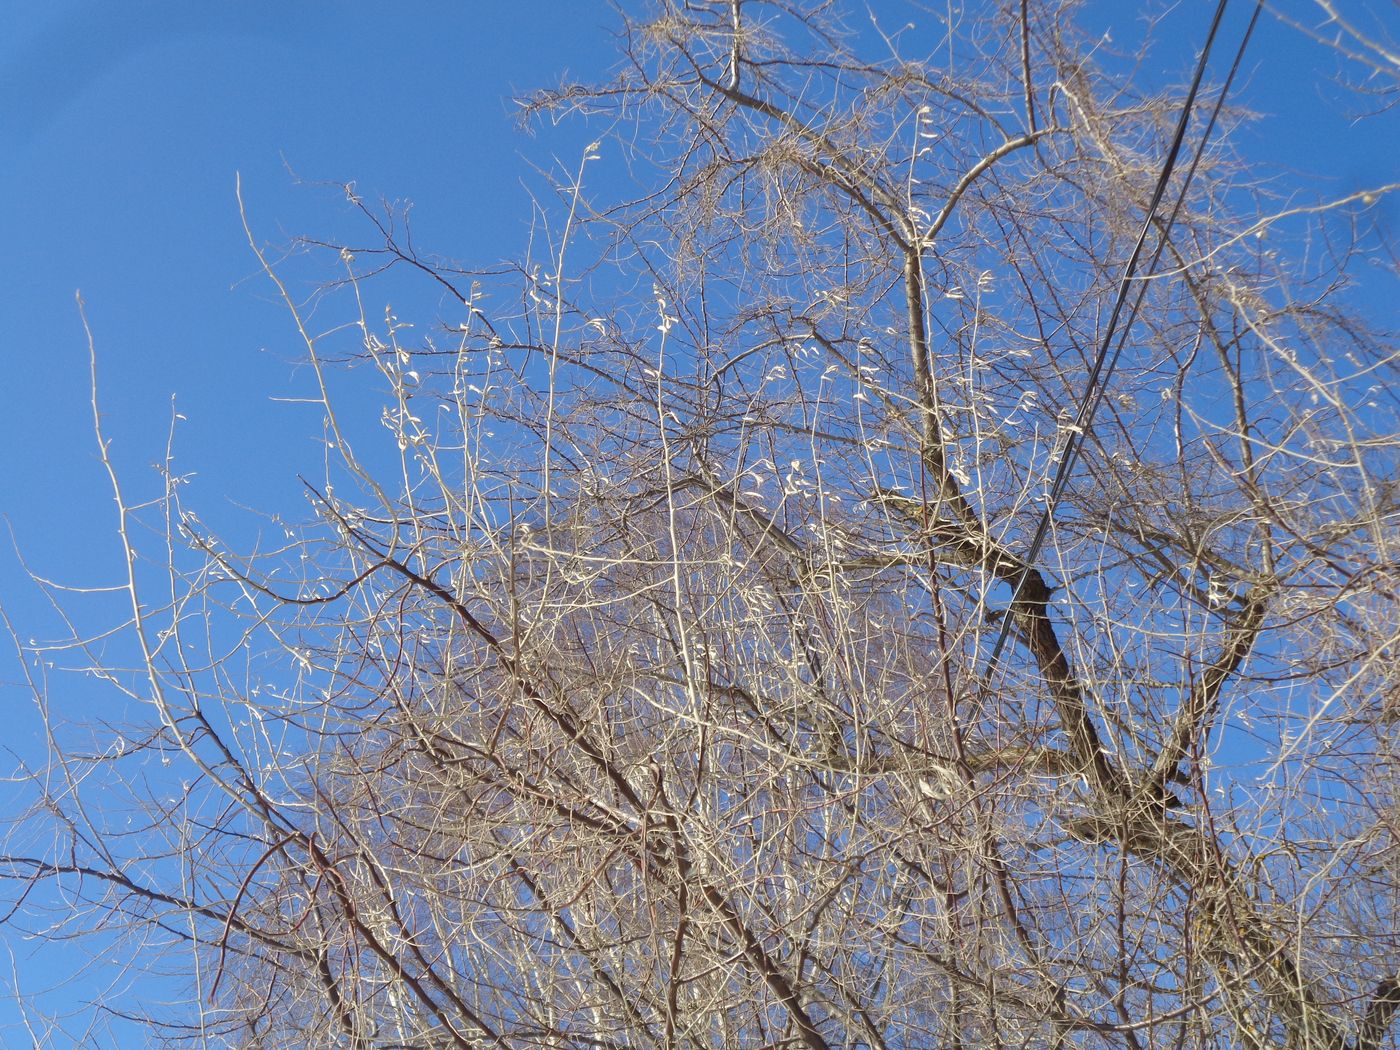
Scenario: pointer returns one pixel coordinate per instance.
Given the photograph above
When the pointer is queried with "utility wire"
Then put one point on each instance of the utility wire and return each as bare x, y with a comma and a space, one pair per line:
1107, 359
1143, 285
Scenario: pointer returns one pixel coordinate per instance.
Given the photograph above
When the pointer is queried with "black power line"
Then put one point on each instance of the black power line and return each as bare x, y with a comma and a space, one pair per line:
1107, 358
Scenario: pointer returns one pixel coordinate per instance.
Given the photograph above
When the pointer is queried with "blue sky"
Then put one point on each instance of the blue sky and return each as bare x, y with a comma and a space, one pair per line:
121, 129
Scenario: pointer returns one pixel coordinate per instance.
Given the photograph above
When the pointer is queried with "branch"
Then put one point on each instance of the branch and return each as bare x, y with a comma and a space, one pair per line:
1229, 922
974, 172
1385, 1000
965, 544
578, 735
1194, 719
1026, 64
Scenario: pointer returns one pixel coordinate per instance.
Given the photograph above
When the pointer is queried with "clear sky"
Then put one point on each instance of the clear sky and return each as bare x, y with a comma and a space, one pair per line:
122, 126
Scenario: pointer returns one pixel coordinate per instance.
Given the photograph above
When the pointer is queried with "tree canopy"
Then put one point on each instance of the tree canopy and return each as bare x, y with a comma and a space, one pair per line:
909, 564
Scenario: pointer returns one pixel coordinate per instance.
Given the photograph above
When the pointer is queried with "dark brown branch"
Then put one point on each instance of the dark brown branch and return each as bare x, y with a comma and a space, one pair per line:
1385, 1000
1026, 65
964, 544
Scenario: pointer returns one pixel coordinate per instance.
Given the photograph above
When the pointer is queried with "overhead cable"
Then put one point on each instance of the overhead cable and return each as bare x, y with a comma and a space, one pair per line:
1107, 359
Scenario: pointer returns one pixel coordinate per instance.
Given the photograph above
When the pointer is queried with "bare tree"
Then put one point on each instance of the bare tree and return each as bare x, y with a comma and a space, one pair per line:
755, 638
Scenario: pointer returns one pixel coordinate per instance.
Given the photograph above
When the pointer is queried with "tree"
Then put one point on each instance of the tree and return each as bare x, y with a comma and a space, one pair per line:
739, 651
